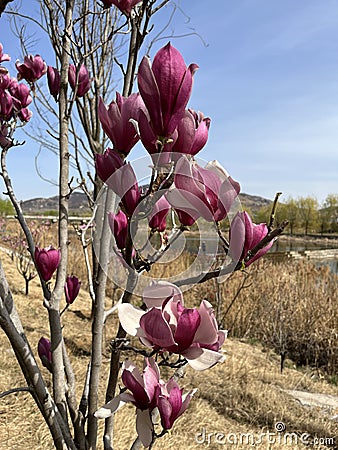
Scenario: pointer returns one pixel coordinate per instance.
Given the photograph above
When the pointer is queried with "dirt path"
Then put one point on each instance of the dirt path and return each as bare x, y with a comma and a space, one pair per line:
328, 404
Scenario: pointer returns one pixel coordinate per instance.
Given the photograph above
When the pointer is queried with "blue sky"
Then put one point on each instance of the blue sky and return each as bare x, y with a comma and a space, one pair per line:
268, 79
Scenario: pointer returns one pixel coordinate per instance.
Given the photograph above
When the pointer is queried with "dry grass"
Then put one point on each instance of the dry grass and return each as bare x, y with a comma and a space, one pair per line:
243, 395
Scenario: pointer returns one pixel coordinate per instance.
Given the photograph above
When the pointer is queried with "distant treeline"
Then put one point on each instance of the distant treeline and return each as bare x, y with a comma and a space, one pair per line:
305, 214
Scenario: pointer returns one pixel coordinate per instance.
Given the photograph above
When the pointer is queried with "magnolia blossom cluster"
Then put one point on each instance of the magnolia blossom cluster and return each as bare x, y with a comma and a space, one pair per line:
15, 96
172, 134
165, 326
47, 260
78, 78
152, 398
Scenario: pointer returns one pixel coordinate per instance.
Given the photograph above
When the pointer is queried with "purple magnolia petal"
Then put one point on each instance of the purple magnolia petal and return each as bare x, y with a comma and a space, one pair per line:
151, 383
228, 192
157, 218
186, 134
174, 81
157, 329
182, 98
186, 213
136, 386
118, 224
169, 415
150, 94
207, 332
237, 237
201, 136
187, 326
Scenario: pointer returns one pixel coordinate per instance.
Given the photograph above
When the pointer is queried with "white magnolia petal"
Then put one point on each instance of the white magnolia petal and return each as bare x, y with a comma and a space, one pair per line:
144, 426
130, 318
218, 169
158, 291
202, 358
109, 408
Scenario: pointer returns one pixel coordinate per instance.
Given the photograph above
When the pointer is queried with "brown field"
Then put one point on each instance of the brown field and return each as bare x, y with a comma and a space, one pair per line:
286, 307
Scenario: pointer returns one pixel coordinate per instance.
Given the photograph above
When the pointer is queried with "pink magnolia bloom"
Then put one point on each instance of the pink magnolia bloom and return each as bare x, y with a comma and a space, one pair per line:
72, 288
148, 393
165, 87
108, 163
6, 104
5, 81
20, 93
158, 216
31, 69
201, 192
190, 332
118, 224
245, 235
159, 149
3, 56
25, 114
123, 182
124, 6
171, 403
53, 79
144, 393
47, 261
193, 130
44, 352
79, 78
120, 177
116, 121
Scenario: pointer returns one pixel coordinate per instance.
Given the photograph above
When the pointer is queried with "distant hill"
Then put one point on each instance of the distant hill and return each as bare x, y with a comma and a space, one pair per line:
253, 202
78, 203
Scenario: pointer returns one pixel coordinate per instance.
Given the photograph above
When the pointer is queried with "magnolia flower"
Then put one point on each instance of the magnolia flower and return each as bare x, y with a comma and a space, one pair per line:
120, 177
72, 288
20, 93
31, 69
118, 224
165, 87
47, 261
158, 217
150, 395
44, 352
124, 6
25, 114
79, 78
193, 130
190, 332
144, 392
201, 192
3, 56
171, 403
159, 149
107, 163
5, 81
244, 236
53, 78
116, 121
6, 104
